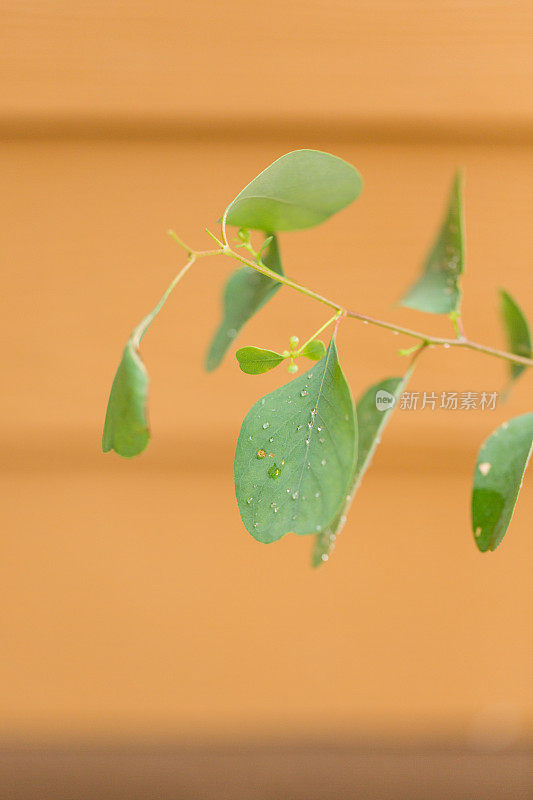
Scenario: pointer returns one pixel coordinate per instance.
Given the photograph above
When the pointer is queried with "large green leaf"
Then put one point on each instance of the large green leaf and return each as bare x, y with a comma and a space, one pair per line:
245, 294
374, 409
438, 290
255, 360
517, 331
299, 190
498, 477
126, 428
296, 453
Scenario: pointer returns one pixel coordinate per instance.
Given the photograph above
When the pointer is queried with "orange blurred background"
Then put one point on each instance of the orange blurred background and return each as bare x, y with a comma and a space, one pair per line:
134, 603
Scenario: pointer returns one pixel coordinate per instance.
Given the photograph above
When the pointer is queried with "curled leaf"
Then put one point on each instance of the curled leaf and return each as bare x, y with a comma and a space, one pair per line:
374, 409
126, 428
517, 331
438, 290
498, 476
245, 294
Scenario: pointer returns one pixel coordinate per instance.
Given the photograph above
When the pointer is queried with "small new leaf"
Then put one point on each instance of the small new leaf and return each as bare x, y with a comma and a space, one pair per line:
374, 409
254, 360
315, 350
126, 426
438, 290
516, 330
299, 190
245, 294
500, 467
296, 453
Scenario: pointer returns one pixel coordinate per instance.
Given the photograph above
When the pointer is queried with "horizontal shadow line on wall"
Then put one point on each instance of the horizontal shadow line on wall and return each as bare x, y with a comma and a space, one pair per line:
71, 451
312, 130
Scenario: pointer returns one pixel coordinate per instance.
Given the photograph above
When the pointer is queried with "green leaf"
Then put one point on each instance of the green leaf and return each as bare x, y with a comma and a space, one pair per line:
314, 350
126, 426
498, 477
374, 409
254, 360
299, 190
296, 453
245, 294
517, 331
438, 290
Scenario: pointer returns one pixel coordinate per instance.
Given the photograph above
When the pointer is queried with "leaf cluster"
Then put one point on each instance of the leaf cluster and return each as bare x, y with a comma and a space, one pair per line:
303, 449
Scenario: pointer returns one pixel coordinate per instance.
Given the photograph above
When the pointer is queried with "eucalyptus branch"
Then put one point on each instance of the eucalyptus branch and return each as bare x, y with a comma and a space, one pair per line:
433, 341
427, 339
304, 447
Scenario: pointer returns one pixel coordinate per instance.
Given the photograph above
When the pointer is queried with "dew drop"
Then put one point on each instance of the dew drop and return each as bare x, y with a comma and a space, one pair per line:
324, 556
304, 393
272, 505
319, 427
250, 438
446, 346
395, 333
266, 425
317, 494
293, 516
299, 428
478, 532
319, 528
271, 439
276, 510
485, 467
232, 333
294, 495
321, 440
307, 441
263, 401
323, 462
256, 524
310, 375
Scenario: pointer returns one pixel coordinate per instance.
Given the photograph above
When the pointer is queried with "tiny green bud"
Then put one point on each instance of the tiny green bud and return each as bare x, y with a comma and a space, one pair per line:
293, 367
294, 342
